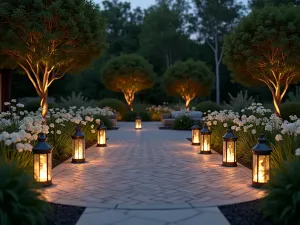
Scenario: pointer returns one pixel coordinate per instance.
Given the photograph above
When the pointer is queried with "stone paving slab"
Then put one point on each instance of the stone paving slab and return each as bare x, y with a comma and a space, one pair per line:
203, 216
150, 169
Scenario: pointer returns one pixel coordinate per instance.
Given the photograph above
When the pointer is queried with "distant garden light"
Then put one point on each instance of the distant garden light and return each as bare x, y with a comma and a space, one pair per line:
229, 149
42, 161
101, 135
205, 140
138, 122
261, 162
78, 146
195, 134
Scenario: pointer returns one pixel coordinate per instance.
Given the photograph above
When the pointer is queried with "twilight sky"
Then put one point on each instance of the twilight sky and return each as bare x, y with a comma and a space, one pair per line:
147, 3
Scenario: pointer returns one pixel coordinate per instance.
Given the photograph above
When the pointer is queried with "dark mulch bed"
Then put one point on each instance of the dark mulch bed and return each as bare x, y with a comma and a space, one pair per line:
65, 214
246, 213
113, 128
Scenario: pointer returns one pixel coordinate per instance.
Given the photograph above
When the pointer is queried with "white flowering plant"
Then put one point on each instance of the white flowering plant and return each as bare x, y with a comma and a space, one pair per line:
20, 129
248, 124
156, 111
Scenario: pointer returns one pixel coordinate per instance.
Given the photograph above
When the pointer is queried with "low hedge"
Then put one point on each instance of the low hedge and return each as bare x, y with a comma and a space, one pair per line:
115, 104
208, 105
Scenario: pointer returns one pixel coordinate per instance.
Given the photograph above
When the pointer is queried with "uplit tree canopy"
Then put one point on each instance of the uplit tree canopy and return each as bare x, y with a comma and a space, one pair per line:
47, 39
128, 74
264, 49
188, 80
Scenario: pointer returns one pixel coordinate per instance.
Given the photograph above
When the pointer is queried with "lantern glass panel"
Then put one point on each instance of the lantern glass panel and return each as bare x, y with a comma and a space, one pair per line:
138, 124
42, 167
78, 148
229, 151
205, 144
102, 137
261, 168
196, 136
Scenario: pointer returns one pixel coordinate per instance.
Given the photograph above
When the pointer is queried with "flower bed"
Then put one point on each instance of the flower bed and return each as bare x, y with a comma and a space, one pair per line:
156, 111
20, 129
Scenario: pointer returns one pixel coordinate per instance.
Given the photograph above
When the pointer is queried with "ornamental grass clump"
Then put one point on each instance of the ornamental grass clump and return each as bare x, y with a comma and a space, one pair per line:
282, 203
21, 202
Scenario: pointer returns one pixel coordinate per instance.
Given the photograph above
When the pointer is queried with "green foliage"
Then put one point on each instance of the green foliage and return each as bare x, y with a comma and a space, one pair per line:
22, 159
115, 104
183, 123
208, 105
256, 4
282, 204
290, 109
140, 107
241, 101
130, 116
34, 105
127, 73
294, 97
188, 79
75, 30
74, 100
21, 202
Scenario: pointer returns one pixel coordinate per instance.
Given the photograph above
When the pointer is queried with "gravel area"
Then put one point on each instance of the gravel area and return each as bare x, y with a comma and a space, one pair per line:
65, 214
246, 213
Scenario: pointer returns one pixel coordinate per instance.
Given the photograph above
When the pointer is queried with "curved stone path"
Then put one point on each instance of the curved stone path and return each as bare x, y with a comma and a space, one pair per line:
150, 169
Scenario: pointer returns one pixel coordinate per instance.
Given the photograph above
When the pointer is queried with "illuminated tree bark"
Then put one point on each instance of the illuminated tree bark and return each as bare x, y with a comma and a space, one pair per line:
129, 97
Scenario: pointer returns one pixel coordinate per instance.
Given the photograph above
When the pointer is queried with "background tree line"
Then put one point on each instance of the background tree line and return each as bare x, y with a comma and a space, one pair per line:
167, 32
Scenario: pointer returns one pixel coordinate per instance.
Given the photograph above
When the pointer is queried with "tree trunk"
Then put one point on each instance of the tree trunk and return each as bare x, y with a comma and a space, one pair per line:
44, 104
277, 101
217, 83
129, 97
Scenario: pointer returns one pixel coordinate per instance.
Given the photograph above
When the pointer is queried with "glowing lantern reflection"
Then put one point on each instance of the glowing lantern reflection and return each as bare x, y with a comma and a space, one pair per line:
195, 134
101, 135
229, 149
78, 146
261, 162
205, 140
42, 162
138, 122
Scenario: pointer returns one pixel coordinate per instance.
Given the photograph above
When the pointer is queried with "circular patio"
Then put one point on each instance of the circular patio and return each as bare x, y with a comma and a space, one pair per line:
150, 169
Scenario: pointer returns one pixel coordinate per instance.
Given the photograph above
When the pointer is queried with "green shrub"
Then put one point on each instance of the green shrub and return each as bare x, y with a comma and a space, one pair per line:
130, 116
208, 105
75, 100
294, 96
34, 105
290, 109
140, 107
183, 123
241, 101
20, 200
115, 104
106, 120
282, 204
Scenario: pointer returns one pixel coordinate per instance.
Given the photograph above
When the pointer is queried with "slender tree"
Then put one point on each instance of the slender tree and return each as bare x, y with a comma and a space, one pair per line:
212, 20
188, 80
128, 74
264, 49
47, 39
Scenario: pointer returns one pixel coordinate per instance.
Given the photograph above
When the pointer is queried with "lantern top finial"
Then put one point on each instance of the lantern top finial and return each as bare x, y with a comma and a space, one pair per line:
205, 130
78, 133
102, 126
195, 126
42, 147
229, 136
262, 148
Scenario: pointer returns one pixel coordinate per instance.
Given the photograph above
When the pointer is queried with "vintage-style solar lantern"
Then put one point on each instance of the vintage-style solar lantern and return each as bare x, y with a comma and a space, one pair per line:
261, 162
78, 146
195, 134
205, 140
42, 162
101, 135
138, 122
229, 149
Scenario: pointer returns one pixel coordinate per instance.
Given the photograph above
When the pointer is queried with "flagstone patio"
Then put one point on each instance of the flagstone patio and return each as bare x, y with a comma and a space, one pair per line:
150, 169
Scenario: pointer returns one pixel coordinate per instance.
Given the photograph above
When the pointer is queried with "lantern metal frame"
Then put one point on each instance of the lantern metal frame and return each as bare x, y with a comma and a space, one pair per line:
100, 128
42, 148
205, 132
195, 128
140, 119
78, 136
227, 138
264, 150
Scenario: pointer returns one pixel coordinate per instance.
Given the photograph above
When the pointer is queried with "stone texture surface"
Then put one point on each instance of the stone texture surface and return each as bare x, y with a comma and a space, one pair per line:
149, 169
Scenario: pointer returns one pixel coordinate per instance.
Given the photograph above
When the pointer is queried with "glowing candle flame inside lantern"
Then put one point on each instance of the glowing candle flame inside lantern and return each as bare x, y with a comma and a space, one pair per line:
205, 136
196, 138
101, 139
229, 149
78, 140
43, 168
230, 152
138, 123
